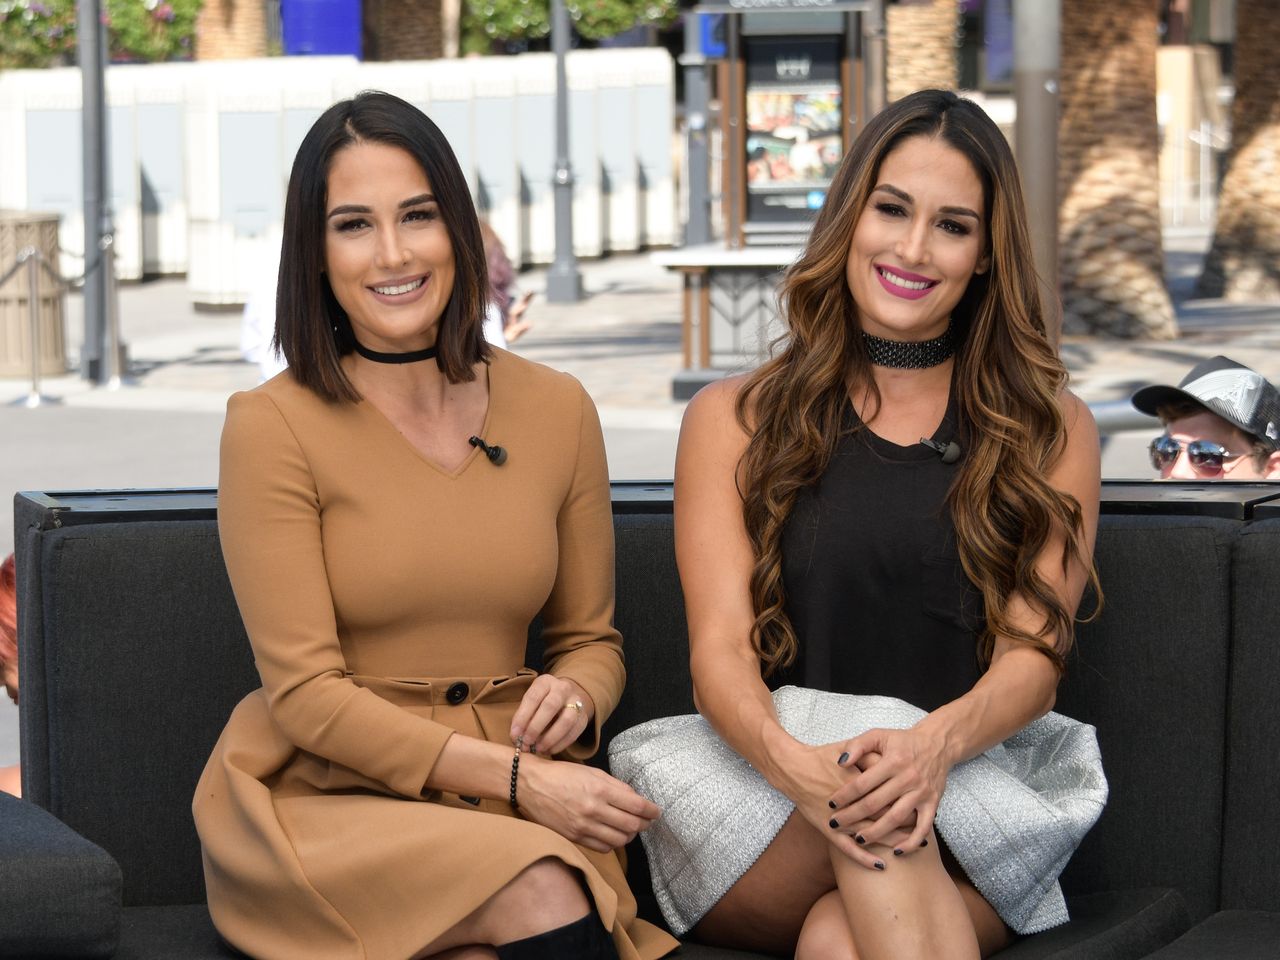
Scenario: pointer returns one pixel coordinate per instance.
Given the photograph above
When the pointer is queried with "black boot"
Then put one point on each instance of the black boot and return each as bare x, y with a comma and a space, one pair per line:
584, 939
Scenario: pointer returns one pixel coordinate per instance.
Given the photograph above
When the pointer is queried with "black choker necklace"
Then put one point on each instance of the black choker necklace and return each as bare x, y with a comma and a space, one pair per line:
905, 355
413, 356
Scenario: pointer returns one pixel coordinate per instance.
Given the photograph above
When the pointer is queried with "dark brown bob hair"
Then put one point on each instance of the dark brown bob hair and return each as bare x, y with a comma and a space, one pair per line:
312, 330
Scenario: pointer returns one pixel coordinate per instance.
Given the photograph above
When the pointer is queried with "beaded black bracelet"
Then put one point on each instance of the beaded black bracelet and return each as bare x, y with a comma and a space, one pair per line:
515, 771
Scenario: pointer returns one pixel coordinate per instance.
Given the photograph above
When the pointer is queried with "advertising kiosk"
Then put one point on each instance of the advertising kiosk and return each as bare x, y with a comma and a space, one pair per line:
795, 81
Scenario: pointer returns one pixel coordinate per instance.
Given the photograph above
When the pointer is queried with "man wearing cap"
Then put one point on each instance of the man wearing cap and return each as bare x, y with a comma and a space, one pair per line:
1222, 422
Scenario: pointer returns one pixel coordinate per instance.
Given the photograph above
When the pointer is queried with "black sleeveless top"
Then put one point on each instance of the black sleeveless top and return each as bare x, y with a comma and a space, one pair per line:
874, 586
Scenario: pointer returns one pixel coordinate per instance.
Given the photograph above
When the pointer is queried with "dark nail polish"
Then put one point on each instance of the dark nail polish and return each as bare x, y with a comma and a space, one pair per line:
897, 853
860, 840
843, 758
833, 824
831, 804
924, 842
879, 864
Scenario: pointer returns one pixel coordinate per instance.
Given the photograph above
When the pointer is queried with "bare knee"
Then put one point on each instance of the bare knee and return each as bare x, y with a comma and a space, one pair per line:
911, 909
543, 896
826, 934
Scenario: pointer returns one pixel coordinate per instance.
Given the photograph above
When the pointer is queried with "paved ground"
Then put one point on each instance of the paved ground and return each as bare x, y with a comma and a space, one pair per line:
622, 341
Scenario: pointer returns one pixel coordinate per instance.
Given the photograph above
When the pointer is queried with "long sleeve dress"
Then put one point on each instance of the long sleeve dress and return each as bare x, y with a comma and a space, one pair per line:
388, 602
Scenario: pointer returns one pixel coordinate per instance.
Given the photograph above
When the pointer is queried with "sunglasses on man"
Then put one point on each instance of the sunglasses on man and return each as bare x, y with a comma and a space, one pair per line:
1205, 456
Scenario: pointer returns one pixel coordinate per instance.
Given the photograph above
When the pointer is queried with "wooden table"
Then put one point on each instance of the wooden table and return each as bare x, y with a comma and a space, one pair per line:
740, 277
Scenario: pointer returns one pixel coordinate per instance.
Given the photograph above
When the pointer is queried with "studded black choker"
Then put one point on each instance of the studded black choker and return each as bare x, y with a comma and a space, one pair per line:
905, 355
413, 356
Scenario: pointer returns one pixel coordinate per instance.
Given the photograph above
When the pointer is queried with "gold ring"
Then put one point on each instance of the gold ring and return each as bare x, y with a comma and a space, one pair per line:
576, 704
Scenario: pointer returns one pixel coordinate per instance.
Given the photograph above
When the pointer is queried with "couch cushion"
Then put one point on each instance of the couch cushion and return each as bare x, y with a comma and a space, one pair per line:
1151, 675
170, 933
1230, 935
60, 893
698, 951
144, 658
187, 933
650, 616
1251, 831
1121, 926
1108, 926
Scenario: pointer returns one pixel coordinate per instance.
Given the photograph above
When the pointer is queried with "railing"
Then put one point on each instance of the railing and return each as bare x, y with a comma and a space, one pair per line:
34, 260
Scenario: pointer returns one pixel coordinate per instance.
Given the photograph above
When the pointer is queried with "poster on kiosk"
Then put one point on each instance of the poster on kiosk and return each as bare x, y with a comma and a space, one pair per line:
794, 116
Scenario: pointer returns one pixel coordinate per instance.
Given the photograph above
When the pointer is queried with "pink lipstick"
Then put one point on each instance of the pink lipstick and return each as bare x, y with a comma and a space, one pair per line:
903, 283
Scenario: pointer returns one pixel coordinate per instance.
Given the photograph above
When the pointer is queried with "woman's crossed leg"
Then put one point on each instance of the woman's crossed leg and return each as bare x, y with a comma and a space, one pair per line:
802, 895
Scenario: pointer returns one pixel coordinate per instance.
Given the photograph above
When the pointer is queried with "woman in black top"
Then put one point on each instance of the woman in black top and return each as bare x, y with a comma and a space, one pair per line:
903, 501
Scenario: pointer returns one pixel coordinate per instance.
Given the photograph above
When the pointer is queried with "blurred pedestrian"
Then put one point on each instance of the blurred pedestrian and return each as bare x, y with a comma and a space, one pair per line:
258, 324
504, 320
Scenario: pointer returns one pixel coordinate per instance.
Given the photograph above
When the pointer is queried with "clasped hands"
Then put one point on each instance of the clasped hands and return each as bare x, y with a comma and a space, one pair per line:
876, 793
580, 803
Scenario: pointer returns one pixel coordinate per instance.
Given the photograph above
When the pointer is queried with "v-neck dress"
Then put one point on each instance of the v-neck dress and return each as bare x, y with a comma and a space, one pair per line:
388, 602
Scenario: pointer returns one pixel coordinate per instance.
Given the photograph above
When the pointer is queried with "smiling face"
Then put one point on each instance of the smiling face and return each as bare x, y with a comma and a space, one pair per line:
918, 242
388, 255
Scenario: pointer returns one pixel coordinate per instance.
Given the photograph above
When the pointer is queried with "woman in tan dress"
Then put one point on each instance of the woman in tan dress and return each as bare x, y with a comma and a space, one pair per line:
391, 526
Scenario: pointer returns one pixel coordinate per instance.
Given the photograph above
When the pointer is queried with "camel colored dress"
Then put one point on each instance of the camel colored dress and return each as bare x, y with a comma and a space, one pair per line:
388, 604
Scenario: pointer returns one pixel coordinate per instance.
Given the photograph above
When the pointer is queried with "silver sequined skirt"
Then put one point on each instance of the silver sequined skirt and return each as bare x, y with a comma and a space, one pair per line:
1011, 816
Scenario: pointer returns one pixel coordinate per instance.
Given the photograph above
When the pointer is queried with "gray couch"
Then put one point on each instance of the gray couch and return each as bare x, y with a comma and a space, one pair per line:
133, 655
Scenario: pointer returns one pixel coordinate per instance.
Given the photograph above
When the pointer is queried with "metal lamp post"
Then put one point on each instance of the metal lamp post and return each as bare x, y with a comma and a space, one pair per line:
697, 105
1036, 56
564, 282
97, 215
102, 353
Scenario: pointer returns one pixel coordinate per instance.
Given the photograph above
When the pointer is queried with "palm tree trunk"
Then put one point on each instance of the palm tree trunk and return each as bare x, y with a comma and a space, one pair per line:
403, 29
1112, 258
1244, 260
231, 30
921, 40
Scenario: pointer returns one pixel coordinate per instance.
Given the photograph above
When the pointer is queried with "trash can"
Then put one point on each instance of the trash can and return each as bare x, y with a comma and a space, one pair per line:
20, 229
310, 27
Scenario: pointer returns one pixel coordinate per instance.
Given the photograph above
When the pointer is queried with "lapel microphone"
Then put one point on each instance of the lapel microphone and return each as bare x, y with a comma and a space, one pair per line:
949, 451
496, 454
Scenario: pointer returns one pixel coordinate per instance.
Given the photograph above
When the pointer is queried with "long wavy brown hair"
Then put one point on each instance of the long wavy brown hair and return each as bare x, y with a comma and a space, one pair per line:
1007, 380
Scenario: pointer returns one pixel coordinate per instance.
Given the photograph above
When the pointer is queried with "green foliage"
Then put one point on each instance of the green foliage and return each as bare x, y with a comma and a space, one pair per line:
151, 29
42, 33
510, 19
36, 33
486, 21
598, 19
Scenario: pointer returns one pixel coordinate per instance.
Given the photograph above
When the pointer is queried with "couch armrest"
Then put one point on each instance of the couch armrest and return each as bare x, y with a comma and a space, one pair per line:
61, 893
